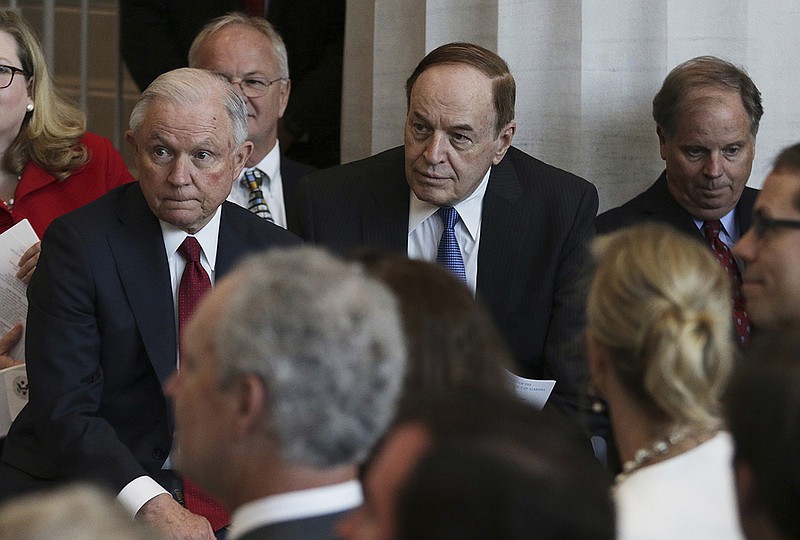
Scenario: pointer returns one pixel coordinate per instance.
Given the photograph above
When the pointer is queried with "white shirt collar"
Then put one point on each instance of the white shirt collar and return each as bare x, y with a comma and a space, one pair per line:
470, 209
728, 226
295, 505
269, 164
207, 237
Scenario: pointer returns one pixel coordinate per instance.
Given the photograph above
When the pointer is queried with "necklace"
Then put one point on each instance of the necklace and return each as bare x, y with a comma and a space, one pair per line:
645, 455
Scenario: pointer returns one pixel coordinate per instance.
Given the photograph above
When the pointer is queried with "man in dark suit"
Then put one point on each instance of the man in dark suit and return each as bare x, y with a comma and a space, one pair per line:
252, 56
521, 226
707, 115
103, 304
289, 389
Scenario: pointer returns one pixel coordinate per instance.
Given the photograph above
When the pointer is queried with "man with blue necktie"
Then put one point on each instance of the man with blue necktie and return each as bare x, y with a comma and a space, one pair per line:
513, 228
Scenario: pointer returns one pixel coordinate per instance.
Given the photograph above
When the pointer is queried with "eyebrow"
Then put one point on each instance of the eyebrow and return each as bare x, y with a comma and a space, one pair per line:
458, 127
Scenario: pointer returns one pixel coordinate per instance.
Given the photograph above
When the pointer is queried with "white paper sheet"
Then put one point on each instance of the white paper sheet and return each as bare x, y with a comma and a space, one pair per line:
534, 391
14, 389
13, 302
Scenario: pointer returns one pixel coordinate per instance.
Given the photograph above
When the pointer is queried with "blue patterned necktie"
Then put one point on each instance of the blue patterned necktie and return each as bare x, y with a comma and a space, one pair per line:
257, 203
449, 254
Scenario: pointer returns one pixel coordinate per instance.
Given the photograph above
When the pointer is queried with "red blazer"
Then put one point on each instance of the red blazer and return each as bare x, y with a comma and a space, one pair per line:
41, 198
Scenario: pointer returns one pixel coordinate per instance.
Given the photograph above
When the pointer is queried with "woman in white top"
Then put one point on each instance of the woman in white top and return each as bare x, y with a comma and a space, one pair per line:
660, 348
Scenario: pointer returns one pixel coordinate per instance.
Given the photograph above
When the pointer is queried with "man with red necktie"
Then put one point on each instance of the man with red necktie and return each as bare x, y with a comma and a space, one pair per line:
107, 300
707, 114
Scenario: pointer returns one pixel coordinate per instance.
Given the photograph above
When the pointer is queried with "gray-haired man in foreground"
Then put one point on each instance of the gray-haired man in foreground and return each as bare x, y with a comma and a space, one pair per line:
291, 368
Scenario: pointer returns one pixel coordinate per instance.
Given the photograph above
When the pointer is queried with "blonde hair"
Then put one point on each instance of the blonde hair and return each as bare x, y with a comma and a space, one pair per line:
70, 512
662, 305
50, 134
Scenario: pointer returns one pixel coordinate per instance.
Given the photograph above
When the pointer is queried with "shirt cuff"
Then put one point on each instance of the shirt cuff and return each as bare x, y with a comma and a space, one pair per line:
138, 492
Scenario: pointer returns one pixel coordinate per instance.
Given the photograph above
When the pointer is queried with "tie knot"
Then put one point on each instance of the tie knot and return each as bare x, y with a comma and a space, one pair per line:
190, 249
712, 228
448, 215
253, 178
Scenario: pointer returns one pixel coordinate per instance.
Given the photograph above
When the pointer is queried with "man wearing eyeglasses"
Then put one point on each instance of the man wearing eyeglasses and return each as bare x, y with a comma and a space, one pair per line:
707, 114
771, 248
251, 55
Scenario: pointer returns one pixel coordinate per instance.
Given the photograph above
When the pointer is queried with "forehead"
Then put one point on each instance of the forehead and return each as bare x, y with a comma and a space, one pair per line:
453, 89
778, 196
201, 119
238, 47
8, 49
705, 104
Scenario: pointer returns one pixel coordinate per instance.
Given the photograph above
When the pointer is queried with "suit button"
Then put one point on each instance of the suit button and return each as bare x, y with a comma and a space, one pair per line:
159, 454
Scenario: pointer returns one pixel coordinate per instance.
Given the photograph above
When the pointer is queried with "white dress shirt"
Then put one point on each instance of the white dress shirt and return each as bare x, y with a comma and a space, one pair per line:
272, 188
295, 505
425, 230
140, 490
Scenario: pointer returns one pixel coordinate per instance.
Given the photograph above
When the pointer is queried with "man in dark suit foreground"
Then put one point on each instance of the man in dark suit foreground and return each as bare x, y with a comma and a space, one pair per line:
252, 56
521, 226
102, 322
292, 366
707, 114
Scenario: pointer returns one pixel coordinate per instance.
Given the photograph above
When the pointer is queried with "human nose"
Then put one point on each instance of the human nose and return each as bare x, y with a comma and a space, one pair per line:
745, 248
436, 148
180, 172
713, 165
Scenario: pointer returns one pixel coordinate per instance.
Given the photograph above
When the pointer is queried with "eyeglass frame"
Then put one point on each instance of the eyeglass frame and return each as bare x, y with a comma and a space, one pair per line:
762, 225
267, 84
14, 71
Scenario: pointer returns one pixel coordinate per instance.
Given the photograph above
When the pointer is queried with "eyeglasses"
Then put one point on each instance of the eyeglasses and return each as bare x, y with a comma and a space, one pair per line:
7, 75
763, 225
254, 87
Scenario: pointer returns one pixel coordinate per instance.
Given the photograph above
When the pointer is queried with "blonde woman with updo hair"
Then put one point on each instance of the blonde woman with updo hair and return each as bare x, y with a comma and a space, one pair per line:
660, 346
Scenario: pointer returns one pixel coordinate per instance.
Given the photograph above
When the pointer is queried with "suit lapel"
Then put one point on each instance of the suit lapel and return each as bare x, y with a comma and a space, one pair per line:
659, 203
385, 223
138, 250
233, 241
502, 221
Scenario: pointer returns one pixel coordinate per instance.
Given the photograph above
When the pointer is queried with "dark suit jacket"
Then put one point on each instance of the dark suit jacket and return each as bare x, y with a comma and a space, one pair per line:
657, 204
291, 173
314, 528
532, 259
101, 341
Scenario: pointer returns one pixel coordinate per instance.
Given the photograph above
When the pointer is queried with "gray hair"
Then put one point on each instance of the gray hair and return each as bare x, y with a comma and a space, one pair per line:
257, 23
326, 340
71, 512
187, 86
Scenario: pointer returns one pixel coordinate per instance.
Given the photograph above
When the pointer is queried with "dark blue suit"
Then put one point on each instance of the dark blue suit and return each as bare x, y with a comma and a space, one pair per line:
101, 342
533, 260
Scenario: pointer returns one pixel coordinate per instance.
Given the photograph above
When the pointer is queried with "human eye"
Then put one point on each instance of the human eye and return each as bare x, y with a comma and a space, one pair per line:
460, 138
419, 128
731, 151
255, 84
5, 69
160, 152
694, 152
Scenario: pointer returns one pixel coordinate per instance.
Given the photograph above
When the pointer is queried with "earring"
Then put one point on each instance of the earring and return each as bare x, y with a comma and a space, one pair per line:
598, 405
29, 108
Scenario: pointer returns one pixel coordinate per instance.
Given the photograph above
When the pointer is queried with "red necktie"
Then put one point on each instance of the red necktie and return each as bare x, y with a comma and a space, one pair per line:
194, 284
741, 319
